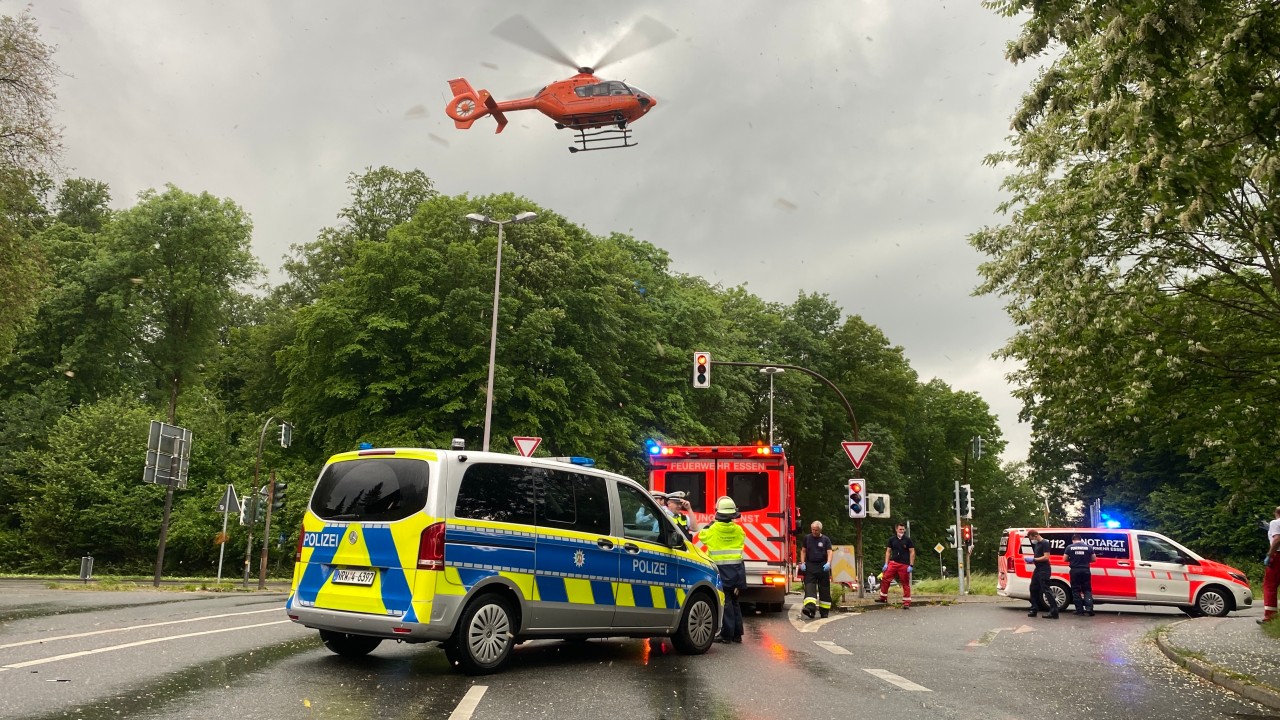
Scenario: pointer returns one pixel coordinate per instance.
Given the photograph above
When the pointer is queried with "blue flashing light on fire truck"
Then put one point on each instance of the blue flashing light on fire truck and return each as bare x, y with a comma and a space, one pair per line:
761, 483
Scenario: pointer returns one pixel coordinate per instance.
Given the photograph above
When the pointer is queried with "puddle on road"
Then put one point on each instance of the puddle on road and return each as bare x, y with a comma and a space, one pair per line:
153, 695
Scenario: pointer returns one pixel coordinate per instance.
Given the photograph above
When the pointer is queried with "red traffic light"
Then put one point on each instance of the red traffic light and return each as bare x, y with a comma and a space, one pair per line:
967, 532
855, 487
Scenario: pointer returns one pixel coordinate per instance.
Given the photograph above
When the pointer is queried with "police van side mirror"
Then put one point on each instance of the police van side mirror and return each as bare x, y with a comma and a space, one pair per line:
676, 541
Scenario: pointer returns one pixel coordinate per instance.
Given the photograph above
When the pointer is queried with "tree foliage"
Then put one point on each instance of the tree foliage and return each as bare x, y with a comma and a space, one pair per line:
1140, 259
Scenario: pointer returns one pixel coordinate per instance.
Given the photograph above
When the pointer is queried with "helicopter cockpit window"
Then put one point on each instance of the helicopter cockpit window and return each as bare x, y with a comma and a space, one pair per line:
618, 88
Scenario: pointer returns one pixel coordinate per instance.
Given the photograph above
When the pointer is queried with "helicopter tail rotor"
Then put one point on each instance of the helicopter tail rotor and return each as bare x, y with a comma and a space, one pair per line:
468, 105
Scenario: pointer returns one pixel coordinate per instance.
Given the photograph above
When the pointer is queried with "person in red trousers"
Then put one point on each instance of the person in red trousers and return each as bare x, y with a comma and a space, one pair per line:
899, 559
1271, 579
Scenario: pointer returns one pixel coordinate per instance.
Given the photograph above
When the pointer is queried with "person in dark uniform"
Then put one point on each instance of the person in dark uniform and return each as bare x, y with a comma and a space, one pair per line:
817, 572
1041, 597
1079, 557
899, 561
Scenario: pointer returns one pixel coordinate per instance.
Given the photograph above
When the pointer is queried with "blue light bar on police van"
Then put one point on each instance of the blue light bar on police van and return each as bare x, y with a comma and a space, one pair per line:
576, 460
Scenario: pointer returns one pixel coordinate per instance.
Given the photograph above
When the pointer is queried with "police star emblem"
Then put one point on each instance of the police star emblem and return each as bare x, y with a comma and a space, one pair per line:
579, 559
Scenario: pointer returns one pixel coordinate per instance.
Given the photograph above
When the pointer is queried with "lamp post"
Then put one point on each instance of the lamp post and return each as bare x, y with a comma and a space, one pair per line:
493, 330
771, 371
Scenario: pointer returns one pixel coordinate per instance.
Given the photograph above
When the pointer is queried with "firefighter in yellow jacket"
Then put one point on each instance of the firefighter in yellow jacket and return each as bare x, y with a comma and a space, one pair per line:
724, 540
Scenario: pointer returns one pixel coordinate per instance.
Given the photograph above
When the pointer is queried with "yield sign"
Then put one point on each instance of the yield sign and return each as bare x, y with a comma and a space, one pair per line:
229, 502
857, 452
526, 445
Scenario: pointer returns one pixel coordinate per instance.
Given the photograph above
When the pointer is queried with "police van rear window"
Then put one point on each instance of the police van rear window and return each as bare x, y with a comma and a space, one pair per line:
371, 490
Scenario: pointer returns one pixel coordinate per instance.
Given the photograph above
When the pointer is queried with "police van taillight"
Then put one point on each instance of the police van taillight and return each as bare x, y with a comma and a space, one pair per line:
431, 548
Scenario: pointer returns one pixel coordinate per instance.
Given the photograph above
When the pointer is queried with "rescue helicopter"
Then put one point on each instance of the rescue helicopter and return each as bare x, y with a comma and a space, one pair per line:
599, 111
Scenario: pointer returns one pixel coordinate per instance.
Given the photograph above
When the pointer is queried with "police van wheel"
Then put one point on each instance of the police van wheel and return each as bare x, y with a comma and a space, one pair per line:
348, 645
484, 636
697, 626
1061, 595
1212, 601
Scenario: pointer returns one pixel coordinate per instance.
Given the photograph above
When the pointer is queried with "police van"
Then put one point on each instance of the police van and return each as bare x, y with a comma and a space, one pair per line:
480, 551
1134, 567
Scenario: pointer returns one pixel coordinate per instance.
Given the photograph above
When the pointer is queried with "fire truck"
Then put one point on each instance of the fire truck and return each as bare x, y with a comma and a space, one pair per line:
762, 484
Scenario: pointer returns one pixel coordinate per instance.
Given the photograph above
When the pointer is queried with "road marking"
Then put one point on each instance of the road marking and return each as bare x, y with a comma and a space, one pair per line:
1024, 629
809, 626
831, 647
469, 702
898, 680
95, 651
135, 627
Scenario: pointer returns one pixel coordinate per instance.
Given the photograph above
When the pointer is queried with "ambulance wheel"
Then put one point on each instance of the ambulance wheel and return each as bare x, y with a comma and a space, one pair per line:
348, 645
484, 636
1061, 595
697, 625
1213, 601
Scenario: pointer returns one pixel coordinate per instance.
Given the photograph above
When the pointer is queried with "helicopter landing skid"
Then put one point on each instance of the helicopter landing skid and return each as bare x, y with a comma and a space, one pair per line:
607, 139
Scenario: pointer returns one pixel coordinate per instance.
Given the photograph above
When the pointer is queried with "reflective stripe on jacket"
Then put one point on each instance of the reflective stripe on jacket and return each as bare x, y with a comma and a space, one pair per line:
724, 542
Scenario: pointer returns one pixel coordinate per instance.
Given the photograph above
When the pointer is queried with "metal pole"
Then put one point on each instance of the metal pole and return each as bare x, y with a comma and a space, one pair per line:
771, 408
222, 546
858, 563
168, 507
847, 407
959, 544
257, 468
266, 533
493, 338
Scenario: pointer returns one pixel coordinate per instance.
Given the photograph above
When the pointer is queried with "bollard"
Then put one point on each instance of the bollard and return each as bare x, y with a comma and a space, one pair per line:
86, 568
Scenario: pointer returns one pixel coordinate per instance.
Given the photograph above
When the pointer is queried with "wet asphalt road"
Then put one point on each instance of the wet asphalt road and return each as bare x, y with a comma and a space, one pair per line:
150, 654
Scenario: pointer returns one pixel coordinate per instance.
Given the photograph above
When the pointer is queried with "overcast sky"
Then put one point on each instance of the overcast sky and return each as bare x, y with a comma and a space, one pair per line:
830, 146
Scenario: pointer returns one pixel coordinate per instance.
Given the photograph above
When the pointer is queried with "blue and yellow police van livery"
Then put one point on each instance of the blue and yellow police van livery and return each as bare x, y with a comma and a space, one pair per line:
478, 551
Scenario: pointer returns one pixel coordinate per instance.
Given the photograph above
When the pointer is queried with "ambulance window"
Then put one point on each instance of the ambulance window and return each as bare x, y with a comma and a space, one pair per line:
750, 490
1153, 549
571, 501
641, 518
371, 490
499, 493
1004, 541
692, 484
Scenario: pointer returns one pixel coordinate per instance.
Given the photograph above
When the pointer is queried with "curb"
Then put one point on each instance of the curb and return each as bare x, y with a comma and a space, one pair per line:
1261, 694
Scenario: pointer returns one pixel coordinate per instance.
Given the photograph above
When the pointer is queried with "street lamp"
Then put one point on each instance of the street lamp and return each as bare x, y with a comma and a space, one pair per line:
493, 330
771, 371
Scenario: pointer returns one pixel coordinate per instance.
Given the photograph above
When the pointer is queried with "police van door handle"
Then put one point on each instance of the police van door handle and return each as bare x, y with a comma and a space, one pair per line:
605, 543
631, 548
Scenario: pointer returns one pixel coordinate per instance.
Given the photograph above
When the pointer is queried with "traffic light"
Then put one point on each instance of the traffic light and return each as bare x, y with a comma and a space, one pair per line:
967, 531
952, 540
857, 499
246, 512
966, 502
259, 510
277, 499
286, 434
702, 370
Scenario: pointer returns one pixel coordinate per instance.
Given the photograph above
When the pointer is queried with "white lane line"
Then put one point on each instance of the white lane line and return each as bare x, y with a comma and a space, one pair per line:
469, 702
898, 680
95, 651
831, 647
136, 627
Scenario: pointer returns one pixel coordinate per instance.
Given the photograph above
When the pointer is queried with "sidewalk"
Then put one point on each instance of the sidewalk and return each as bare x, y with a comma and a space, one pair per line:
1231, 651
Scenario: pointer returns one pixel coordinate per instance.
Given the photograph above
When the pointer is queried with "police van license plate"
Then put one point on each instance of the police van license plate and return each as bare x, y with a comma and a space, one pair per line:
354, 577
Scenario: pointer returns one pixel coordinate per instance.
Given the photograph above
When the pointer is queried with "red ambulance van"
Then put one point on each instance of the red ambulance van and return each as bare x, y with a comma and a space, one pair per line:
1134, 567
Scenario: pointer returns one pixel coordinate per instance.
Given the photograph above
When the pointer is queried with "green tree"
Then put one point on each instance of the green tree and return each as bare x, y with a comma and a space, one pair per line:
1140, 260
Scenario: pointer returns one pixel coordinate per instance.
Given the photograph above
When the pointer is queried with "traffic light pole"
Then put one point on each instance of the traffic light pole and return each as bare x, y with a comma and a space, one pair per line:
266, 533
960, 564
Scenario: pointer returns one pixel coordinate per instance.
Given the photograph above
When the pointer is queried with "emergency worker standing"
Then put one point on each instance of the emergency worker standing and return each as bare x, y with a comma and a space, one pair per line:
899, 561
678, 507
1041, 597
817, 571
1271, 577
1080, 557
724, 540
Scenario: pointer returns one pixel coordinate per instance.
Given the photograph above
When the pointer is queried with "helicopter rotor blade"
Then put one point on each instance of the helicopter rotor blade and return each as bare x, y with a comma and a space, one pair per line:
517, 30
644, 34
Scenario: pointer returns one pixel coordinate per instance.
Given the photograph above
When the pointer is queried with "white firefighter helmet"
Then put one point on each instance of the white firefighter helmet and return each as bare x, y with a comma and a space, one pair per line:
726, 509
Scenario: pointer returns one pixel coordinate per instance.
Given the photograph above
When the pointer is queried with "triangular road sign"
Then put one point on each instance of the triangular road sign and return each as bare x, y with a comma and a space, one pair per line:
526, 445
857, 452
229, 502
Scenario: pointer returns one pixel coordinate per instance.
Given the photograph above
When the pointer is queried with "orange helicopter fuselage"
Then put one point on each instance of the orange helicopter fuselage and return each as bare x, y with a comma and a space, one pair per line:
580, 102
